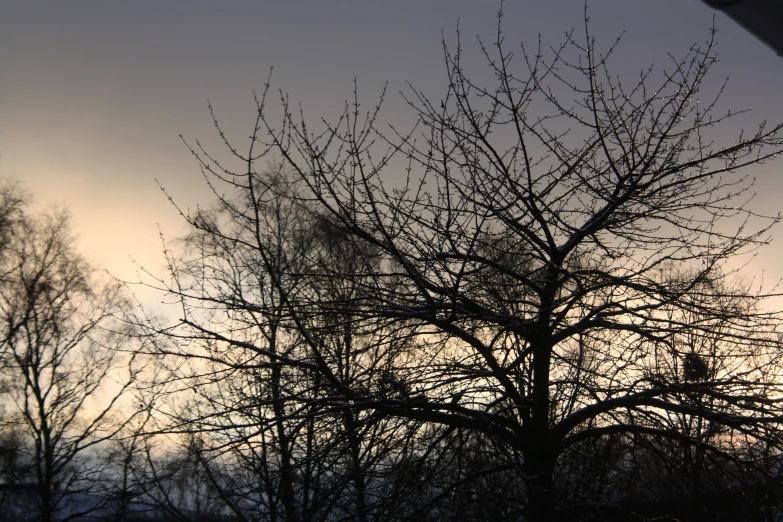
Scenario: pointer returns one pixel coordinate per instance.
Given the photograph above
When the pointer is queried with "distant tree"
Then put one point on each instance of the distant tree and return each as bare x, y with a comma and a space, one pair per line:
545, 262
64, 360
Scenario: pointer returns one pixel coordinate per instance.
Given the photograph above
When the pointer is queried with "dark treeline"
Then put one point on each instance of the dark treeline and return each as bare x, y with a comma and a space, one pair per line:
524, 308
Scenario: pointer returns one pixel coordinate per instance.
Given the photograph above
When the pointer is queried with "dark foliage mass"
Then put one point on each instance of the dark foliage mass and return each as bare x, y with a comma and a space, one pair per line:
523, 308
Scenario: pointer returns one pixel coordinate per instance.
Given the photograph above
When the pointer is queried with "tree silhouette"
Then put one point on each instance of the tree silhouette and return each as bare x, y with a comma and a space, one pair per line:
530, 279
65, 361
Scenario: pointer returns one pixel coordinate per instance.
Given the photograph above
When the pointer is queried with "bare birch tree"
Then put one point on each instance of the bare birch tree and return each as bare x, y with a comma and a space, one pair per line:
65, 361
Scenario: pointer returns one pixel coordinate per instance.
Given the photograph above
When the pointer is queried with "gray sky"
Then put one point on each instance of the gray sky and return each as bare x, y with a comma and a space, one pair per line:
94, 94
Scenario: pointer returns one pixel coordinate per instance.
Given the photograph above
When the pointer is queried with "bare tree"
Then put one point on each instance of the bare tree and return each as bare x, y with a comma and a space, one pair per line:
557, 261
65, 363
290, 460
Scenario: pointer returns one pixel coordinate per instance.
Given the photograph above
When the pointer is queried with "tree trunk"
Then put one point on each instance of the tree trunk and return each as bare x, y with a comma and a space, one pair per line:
539, 471
540, 456
286, 468
357, 475
45, 493
45, 459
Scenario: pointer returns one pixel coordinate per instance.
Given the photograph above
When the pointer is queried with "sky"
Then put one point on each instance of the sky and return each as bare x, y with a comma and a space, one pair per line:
95, 94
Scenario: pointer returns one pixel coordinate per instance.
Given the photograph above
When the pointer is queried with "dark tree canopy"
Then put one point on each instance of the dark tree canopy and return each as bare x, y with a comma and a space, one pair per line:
554, 277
